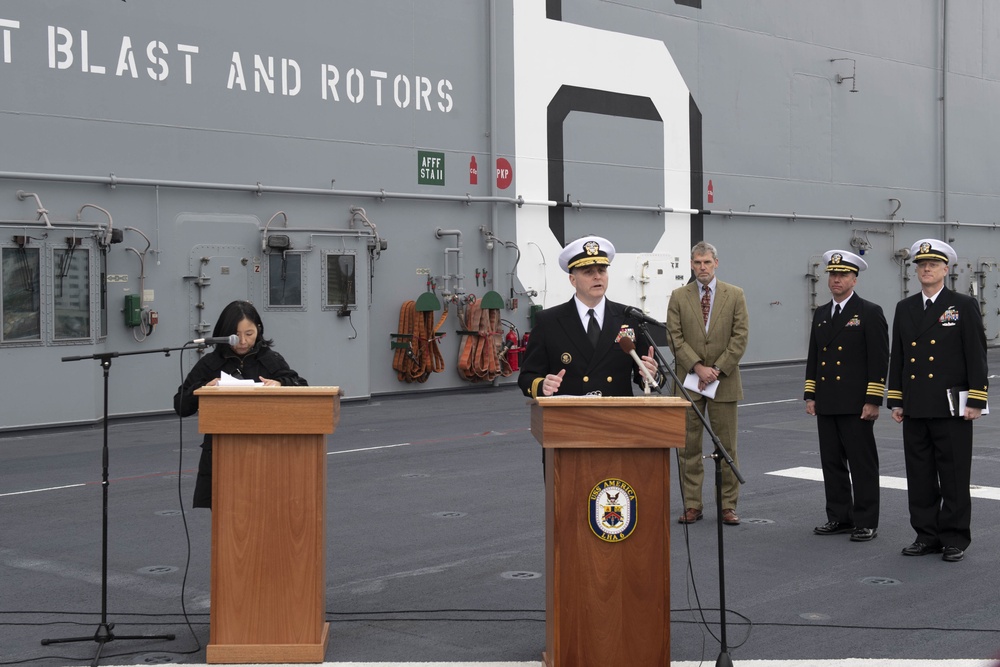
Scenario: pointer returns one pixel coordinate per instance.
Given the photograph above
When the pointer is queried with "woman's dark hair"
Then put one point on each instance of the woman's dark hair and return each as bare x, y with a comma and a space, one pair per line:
236, 312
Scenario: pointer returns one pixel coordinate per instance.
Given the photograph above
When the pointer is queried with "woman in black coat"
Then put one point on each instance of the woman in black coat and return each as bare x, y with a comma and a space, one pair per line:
252, 358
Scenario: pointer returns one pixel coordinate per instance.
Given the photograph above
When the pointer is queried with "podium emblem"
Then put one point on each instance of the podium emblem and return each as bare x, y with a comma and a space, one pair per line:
612, 510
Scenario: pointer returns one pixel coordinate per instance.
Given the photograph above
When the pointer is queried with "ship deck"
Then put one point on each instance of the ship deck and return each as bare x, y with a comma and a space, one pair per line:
435, 529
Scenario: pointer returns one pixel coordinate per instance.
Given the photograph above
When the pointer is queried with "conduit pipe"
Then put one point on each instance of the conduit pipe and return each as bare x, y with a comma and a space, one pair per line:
459, 291
260, 189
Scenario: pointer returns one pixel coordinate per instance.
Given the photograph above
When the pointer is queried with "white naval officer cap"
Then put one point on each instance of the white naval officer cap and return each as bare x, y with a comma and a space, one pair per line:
842, 261
933, 249
586, 251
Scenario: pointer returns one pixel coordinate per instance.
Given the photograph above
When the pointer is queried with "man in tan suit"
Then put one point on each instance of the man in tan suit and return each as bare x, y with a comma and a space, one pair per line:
708, 331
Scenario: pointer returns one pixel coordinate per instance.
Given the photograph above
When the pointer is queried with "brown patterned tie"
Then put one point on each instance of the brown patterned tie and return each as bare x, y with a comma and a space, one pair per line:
706, 304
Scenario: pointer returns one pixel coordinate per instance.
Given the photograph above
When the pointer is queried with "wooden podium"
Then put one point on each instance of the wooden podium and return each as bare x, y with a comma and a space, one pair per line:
268, 501
607, 516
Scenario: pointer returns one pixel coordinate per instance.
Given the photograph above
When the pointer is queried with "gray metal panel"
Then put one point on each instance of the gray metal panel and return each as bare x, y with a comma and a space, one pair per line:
778, 135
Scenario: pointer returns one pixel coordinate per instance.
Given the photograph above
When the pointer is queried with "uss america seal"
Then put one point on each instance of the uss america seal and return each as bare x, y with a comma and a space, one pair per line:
612, 510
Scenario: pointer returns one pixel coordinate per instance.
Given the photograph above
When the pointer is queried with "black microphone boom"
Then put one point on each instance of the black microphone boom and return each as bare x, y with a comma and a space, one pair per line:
633, 312
232, 339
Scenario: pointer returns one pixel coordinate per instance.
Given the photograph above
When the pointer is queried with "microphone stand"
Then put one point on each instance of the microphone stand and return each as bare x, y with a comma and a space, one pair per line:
104, 633
718, 456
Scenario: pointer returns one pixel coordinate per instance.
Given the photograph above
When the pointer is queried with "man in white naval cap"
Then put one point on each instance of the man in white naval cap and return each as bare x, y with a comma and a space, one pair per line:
845, 383
938, 350
573, 349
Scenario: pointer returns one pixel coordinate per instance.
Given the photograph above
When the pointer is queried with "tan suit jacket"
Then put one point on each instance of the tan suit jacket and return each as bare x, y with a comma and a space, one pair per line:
722, 345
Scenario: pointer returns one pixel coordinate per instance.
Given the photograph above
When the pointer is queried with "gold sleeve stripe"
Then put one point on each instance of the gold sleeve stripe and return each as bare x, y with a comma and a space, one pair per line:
811, 385
895, 394
876, 388
535, 387
978, 395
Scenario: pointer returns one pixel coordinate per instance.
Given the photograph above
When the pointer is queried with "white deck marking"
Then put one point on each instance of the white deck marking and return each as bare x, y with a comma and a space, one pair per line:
784, 400
369, 449
51, 488
886, 482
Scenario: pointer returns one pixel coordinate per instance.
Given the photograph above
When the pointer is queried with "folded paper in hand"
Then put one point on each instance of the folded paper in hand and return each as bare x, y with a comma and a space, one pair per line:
227, 380
957, 398
691, 384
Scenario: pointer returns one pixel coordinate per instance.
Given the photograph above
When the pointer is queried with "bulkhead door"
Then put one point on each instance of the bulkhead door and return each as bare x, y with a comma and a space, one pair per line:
218, 275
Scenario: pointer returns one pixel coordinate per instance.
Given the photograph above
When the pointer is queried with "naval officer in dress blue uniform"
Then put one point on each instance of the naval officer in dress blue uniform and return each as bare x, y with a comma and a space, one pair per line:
938, 345
845, 383
573, 349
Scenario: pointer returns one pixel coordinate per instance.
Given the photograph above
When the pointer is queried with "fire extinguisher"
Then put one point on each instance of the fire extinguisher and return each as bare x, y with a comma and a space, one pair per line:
524, 344
510, 343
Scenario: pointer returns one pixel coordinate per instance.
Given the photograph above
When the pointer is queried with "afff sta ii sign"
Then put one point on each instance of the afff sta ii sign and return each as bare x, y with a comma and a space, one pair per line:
430, 168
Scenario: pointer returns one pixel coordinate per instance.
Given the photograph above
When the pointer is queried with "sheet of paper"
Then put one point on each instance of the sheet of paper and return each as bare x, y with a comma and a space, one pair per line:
691, 384
227, 380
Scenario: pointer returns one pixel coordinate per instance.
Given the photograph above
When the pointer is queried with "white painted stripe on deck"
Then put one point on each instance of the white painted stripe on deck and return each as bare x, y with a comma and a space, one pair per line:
784, 400
369, 449
51, 488
886, 482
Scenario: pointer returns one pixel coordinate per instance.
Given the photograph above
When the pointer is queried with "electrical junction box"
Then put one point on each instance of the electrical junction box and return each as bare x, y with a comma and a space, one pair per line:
133, 304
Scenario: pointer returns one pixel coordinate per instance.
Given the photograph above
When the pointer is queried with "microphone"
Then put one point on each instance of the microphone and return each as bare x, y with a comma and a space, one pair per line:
232, 339
629, 348
633, 312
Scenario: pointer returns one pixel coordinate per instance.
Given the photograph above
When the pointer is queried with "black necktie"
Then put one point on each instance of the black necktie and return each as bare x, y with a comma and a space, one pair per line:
836, 313
593, 329
928, 304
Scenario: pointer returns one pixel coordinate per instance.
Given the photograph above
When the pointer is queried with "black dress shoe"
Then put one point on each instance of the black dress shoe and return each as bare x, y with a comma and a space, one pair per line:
953, 554
864, 534
921, 549
833, 528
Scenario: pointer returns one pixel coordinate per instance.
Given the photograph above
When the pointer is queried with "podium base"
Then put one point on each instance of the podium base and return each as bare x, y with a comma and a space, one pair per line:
546, 662
229, 654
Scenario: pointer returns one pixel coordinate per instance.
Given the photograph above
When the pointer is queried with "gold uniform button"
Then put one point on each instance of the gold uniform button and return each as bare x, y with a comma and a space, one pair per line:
838, 378
913, 344
609, 379
823, 364
933, 342
838, 363
912, 360
824, 349
913, 377
586, 378
823, 379
840, 348
930, 375
930, 358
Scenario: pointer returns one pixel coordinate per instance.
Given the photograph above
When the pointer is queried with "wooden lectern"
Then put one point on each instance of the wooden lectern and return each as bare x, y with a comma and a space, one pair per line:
607, 516
268, 501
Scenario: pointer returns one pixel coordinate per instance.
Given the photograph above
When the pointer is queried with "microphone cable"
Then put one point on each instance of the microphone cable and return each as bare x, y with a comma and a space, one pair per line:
187, 566
691, 582
180, 504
